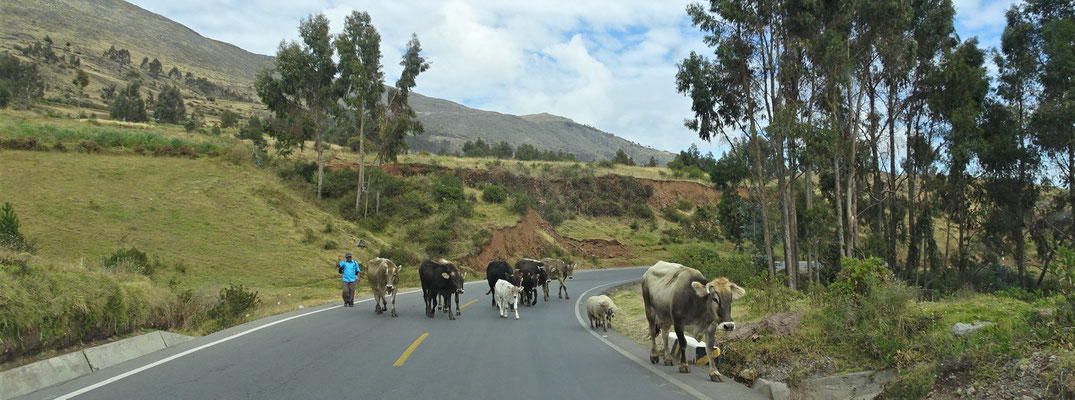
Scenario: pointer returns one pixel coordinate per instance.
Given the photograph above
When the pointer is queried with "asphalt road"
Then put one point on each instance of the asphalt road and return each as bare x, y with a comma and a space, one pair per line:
331, 352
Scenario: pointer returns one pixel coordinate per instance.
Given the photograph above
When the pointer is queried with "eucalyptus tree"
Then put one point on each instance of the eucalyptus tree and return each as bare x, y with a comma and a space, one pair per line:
958, 99
1052, 25
725, 92
299, 86
361, 80
399, 120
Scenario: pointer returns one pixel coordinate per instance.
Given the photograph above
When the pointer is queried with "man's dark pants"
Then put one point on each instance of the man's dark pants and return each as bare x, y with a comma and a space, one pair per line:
349, 293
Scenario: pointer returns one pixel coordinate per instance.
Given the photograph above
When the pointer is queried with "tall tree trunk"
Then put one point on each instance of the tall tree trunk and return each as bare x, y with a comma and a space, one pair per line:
759, 189
320, 163
893, 218
839, 205
781, 183
809, 205
912, 171
361, 158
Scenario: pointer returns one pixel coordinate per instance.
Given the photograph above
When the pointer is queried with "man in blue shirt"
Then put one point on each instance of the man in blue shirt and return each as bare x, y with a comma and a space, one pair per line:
350, 271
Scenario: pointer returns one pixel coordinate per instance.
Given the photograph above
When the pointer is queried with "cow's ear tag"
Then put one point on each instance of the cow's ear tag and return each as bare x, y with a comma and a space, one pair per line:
444, 275
737, 292
699, 289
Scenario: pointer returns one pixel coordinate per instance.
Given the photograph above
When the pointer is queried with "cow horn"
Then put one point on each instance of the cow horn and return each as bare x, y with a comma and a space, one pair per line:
444, 275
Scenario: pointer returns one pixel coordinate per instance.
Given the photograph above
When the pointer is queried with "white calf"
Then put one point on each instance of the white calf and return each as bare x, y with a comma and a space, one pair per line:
507, 295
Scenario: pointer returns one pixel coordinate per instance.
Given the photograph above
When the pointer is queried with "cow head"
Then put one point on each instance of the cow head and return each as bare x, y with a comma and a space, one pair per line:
392, 277
457, 279
719, 295
569, 271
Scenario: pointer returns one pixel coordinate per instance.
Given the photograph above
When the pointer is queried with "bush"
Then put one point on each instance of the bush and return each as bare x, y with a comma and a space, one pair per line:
866, 310
232, 304
130, 260
400, 254
9, 230
520, 203
448, 188
494, 194
438, 242
857, 278
640, 211
737, 268
331, 245
1065, 272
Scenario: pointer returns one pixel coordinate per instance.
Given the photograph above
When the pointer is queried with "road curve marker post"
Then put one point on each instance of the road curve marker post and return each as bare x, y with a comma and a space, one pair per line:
407, 353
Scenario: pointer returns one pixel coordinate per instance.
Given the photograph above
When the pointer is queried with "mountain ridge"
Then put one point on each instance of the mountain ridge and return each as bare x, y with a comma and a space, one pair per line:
92, 27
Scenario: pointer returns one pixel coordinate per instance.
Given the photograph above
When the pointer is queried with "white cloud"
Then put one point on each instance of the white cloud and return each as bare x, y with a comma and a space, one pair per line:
609, 64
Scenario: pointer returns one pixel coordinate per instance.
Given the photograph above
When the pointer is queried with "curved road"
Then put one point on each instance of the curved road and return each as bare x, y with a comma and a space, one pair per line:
331, 352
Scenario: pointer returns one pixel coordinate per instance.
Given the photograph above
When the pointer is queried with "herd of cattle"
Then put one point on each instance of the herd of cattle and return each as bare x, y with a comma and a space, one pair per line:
676, 298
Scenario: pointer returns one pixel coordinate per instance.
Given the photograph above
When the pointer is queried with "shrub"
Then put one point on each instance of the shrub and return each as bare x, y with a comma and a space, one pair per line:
737, 268
640, 211
331, 245
857, 278
130, 260
232, 303
866, 309
1065, 272
448, 187
494, 194
520, 203
10, 236
438, 242
399, 254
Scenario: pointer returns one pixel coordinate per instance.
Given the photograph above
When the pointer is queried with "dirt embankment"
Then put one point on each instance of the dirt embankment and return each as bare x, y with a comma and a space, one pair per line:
666, 193
532, 237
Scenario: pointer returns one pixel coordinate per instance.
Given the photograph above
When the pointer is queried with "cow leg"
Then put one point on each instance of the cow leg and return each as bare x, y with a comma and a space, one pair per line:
458, 311
667, 347
516, 312
683, 367
654, 330
377, 303
448, 306
493, 292
429, 305
545, 289
714, 375
394, 303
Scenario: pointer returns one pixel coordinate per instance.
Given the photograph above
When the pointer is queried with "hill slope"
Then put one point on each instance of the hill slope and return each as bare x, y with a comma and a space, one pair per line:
94, 26
448, 125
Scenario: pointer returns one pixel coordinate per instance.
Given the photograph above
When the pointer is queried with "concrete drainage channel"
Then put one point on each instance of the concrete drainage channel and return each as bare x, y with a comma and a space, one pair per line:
39, 375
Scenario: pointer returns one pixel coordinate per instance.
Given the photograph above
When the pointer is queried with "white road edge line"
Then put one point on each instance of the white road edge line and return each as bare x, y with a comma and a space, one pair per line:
686, 388
211, 344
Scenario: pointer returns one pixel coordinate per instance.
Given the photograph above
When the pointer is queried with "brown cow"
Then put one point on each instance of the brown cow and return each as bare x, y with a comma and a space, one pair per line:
679, 296
383, 277
559, 270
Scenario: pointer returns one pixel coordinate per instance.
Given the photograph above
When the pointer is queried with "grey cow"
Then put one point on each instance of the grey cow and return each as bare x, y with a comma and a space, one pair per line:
558, 270
680, 297
383, 277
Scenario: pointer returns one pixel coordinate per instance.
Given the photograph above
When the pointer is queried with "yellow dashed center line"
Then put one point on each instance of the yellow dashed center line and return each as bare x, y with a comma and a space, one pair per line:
407, 353
468, 303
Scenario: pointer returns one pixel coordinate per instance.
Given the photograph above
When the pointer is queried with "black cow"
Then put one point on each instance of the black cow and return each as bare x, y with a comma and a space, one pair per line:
530, 273
498, 270
440, 279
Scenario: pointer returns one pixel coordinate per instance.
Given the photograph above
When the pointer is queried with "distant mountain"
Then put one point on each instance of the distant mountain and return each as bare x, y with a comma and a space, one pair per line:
448, 125
87, 28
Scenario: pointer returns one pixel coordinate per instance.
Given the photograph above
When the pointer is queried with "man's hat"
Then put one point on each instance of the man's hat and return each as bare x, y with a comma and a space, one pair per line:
348, 254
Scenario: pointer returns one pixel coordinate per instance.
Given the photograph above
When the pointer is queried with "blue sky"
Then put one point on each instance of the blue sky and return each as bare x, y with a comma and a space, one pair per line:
608, 64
